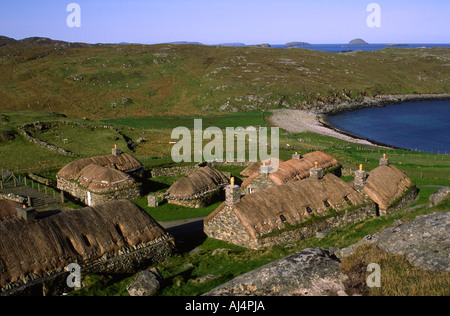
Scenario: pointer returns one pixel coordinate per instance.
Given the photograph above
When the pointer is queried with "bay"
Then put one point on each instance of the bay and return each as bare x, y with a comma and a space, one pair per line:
421, 125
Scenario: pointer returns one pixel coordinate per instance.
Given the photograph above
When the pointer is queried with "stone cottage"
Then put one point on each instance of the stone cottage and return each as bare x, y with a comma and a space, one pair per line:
115, 237
288, 212
100, 179
389, 187
200, 188
297, 168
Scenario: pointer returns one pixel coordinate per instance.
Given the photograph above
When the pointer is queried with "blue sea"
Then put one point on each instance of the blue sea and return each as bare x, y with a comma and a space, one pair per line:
418, 125
339, 48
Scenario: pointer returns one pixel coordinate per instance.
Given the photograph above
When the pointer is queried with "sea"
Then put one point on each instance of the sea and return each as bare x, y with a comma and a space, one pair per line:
417, 125
340, 48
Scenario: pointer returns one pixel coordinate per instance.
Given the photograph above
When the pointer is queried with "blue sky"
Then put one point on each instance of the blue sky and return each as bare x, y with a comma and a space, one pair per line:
224, 21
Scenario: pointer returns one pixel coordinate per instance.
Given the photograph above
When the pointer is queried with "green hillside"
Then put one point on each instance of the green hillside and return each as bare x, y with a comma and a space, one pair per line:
120, 81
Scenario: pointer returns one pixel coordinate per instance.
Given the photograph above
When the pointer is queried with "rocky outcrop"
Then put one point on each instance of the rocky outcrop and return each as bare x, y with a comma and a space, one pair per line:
310, 272
439, 196
361, 102
424, 241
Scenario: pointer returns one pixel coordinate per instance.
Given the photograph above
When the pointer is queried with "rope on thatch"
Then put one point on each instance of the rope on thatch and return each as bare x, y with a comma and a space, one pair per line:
102, 179
123, 162
297, 169
199, 183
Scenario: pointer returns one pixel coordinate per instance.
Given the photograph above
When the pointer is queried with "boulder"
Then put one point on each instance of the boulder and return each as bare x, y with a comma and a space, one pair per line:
146, 283
438, 197
310, 272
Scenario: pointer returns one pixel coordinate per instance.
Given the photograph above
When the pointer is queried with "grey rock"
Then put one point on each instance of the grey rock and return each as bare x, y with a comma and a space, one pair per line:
424, 241
152, 201
146, 283
310, 272
205, 278
221, 251
439, 196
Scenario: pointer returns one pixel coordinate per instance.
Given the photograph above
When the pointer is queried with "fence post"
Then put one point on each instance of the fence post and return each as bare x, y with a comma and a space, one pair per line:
62, 197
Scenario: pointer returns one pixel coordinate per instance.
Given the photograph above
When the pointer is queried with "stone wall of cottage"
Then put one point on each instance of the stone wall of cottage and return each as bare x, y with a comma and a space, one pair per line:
227, 227
340, 220
80, 193
201, 202
186, 170
406, 199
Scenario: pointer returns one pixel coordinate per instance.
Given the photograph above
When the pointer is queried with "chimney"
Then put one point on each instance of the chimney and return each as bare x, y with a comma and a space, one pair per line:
360, 178
384, 161
232, 193
316, 172
264, 170
26, 213
116, 151
296, 156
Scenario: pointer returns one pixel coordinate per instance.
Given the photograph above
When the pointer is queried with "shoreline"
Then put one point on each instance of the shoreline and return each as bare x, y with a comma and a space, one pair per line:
315, 119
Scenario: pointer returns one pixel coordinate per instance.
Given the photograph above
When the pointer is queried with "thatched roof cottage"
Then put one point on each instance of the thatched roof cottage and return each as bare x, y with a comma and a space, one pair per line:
292, 170
100, 179
200, 188
115, 237
287, 212
389, 187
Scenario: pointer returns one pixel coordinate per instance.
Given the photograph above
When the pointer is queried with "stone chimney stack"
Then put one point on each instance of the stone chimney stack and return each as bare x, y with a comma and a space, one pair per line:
264, 170
232, 193
296, 156
26, 213
316, 172
116, 151
384, 161
360, 178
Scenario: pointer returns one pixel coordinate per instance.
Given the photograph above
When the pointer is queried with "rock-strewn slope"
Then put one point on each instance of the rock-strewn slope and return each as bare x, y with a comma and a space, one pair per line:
424, 241
309, 272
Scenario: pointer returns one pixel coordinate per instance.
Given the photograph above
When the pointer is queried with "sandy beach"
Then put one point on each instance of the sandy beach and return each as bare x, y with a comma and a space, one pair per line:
298, 121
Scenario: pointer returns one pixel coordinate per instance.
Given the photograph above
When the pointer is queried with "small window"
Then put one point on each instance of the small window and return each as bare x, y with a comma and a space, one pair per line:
86, 240
309, 210
346, 198
326, 203
283, 219
251, 190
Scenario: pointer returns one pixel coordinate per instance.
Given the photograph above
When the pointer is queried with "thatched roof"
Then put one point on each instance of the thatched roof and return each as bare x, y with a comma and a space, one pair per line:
297, 169
254, 168
124, 162
8, 210
83, 235
102, 179
260, 213
197, 184
385, 184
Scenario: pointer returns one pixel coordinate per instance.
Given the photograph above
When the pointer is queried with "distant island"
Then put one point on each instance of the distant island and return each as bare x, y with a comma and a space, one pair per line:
232, 45
296, 44
358, 41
